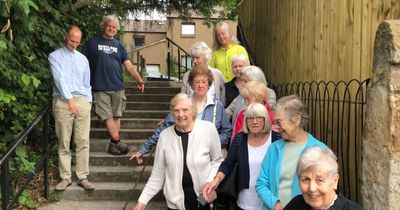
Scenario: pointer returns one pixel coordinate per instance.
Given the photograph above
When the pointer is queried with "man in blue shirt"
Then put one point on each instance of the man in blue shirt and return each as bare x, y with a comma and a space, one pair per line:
106, 57
71, 106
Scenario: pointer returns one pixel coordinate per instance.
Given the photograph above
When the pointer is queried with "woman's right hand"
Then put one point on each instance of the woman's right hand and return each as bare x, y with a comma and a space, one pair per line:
139, 206
138, 156
278, 206
212, 185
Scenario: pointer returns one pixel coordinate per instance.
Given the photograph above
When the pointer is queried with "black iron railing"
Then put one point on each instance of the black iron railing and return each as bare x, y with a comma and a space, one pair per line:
8, 202
336, 111
243, 41
178, 60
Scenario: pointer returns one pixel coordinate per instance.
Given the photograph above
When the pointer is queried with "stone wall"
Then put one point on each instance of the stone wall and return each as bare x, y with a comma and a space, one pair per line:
381, 139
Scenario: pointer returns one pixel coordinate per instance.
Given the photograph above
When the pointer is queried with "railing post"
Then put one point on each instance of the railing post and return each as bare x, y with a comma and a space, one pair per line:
5, 191
169, 59
46, 153
179, 63
138, 61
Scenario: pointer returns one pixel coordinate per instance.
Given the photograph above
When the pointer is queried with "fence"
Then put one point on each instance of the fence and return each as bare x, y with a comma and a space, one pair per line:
337, 113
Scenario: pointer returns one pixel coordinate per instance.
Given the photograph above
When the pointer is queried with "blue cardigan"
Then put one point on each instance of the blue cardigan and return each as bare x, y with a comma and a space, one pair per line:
222, 124
238, 153
267, 184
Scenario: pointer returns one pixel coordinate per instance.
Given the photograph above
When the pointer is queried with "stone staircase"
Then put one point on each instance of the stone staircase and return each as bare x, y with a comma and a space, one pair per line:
114, 176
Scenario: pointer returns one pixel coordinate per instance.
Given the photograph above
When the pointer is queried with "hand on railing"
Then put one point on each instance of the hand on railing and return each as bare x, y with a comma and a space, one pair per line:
138, 156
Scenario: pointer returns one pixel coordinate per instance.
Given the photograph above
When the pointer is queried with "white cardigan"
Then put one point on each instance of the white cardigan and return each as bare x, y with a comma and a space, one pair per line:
203, 160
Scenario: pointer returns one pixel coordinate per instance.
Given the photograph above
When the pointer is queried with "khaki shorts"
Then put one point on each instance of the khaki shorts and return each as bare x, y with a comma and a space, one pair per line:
108, 104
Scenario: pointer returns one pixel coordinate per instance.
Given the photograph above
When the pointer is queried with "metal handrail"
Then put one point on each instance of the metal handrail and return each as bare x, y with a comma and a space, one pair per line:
6, 204
336, 117
170, 44
149, 45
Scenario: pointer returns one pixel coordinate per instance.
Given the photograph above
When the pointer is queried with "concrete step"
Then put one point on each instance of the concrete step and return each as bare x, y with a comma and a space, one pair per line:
101, 145
105, 159
149, 97
102, 133
158, 114
127, 174
132, 84
100, 205
130, 123
154, 90
116, 191
147, 106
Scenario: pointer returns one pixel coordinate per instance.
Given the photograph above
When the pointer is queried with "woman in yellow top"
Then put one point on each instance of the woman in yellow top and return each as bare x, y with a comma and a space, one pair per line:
225, 47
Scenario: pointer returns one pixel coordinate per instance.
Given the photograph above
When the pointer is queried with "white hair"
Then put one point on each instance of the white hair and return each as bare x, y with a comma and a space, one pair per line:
201, 48
107, 19
254, 73
318, 159
240, 57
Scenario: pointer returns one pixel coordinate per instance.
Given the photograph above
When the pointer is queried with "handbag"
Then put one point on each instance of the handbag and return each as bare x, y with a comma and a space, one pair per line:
228, 187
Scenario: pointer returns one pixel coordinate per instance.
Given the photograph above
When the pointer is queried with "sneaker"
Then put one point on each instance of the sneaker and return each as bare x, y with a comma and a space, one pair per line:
124, 148
86, 184
112, 149
61, 186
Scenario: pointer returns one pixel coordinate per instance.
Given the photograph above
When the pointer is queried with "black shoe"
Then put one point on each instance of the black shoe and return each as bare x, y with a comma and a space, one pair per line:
118, 148
112, 149
123, 148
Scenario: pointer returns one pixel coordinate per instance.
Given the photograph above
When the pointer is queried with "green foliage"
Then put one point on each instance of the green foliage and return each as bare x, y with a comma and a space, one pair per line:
22, 164
27, 200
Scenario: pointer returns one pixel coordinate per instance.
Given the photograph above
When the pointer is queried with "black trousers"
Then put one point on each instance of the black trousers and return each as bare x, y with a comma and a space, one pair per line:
191, 202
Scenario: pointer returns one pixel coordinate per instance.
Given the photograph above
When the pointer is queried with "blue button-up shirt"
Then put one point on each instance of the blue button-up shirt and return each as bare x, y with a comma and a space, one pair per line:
71, 74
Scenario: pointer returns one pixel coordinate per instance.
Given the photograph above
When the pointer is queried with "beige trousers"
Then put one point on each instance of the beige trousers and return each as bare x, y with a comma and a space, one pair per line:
78, 125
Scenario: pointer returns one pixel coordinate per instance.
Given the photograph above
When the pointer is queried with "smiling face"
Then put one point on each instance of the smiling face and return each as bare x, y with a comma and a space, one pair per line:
183, 114
255, 124
287, 127
318, 188
222, 37
200, 85
110, 29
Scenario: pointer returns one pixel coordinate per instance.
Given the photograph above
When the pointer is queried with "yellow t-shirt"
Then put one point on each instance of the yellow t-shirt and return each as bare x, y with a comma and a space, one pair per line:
222, 59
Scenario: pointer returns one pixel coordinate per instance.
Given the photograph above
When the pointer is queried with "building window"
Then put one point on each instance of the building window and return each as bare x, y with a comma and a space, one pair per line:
138, 41
186, 63
188, 29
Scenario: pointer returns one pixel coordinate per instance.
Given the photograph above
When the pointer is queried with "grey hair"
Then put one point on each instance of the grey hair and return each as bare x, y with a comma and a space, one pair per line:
227, 28
254, 73
183, 97
318, 159
201, 48
240, 57
256, 110
107, 19
292, 107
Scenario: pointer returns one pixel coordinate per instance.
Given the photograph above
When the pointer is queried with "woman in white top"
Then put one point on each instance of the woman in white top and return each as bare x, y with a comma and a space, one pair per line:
247, 150
188, 155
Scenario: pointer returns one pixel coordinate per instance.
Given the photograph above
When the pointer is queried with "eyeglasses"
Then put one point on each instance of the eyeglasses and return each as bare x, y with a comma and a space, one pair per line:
277, 122
258, 119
